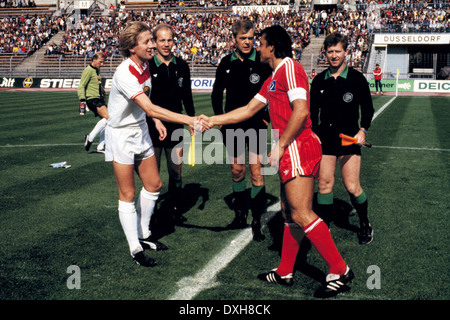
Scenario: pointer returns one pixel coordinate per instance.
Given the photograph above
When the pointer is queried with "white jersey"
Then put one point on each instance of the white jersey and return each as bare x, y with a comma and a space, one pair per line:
129, 81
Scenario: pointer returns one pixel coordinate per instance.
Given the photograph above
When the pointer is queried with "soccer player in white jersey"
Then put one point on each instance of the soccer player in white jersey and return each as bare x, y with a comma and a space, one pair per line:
297, 155
128, 143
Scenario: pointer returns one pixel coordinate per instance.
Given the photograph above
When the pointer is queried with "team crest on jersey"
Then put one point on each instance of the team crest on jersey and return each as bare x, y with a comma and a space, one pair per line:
273, 86
180, 82
254, 78
348, 97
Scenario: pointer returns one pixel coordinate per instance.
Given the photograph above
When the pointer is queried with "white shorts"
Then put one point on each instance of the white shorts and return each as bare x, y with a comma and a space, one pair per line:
126, 145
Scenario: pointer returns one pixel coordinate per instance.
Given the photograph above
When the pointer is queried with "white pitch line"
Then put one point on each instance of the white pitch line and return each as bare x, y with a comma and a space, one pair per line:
376, 114
189, 287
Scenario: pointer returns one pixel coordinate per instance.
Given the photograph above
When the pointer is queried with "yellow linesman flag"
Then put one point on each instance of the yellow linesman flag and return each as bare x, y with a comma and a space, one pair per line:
398, 72
191, 156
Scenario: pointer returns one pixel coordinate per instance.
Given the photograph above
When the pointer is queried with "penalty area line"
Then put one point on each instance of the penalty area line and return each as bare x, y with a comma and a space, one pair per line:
189, 287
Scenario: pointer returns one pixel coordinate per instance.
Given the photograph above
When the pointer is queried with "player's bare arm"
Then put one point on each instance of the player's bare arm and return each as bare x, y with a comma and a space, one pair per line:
293, 128
237, 115
155, 111
295, 123
161, 128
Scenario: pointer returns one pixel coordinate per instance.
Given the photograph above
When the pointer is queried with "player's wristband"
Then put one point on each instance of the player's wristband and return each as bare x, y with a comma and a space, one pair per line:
363, 130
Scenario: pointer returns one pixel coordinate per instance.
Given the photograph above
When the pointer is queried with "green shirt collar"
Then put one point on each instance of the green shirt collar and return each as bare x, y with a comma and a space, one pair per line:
158, 62
343, 74
252, 56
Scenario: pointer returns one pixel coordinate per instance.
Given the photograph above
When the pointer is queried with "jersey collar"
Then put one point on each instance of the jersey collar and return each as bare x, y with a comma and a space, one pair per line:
343, 74
251, 57
96, 69
138, 67
159, 62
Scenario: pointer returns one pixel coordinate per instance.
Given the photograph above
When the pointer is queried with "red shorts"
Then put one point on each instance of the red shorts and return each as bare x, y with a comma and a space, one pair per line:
301, 158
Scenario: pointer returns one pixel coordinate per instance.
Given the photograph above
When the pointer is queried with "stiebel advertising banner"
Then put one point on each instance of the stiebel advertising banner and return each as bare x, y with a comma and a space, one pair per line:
58, 83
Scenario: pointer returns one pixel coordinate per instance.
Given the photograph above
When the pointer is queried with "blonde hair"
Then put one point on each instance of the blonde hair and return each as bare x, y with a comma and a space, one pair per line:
128, 38
160, 27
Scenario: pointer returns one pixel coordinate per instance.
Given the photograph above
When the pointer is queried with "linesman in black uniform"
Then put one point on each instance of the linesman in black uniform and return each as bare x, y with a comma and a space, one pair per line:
341, 103
242, 74
171, 89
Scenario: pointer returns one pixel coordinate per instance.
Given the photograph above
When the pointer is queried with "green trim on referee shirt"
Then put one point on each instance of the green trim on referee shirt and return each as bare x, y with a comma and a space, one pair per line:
158, 62
252, 56
343, 74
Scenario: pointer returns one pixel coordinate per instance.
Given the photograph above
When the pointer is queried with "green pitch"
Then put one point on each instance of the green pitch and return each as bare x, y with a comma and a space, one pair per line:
57, 222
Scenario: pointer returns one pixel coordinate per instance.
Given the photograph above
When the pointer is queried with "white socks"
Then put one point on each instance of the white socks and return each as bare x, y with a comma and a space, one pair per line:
101, 142
146, 206
135, 225
128, 220
99, 127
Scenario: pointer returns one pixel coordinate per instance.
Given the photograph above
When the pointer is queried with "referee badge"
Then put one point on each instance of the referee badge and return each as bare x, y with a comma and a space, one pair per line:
180, 82
254, 78
348, 97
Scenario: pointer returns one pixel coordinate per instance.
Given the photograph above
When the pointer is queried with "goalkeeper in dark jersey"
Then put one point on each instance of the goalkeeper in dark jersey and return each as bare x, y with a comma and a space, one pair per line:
92, 96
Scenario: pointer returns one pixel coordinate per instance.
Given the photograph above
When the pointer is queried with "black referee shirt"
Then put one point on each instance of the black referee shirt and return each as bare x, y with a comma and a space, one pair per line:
338, 104
171, 89
242, 80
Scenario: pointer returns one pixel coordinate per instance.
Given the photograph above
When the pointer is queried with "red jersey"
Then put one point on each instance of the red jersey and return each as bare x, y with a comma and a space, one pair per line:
289, 82
377, 73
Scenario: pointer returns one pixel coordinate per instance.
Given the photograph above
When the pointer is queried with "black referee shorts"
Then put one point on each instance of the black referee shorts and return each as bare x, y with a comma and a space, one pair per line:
331, 144
171, 140
95, 103
240, 137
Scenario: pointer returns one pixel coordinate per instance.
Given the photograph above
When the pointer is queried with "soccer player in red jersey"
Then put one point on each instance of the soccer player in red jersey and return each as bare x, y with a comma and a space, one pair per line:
296, 154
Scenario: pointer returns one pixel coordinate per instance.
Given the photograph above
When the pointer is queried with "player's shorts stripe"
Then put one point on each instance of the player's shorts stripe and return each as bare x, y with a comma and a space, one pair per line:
295, 159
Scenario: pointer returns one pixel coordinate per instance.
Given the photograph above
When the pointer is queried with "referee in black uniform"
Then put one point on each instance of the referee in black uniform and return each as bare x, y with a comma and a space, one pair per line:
242, 74
171, 89
341, 103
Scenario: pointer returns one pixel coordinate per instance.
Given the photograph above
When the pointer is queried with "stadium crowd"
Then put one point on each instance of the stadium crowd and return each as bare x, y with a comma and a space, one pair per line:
17, 3
26, 34
205, 36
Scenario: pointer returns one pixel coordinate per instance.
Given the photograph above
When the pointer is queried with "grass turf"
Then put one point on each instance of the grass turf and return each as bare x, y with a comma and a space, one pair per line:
55, 218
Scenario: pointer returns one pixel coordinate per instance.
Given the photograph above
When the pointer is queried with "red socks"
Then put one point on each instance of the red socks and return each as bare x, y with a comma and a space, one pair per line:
319, 235
292, 237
